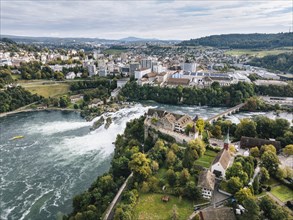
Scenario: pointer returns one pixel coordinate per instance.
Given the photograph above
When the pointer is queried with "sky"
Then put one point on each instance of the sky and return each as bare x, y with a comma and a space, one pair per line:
161, 19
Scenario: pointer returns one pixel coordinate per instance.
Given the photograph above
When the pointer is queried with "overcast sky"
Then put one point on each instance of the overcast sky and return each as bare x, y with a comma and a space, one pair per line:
167, 19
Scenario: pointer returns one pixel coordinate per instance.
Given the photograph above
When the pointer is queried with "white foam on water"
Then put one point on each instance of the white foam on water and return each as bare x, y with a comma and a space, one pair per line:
51, 128
100, 139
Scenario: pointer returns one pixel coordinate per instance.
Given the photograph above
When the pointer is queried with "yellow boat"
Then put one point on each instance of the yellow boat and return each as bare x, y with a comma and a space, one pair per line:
16, 137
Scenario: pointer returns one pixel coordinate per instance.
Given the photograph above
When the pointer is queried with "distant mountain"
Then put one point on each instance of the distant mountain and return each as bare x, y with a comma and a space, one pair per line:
136, 39
243, 41
73, 40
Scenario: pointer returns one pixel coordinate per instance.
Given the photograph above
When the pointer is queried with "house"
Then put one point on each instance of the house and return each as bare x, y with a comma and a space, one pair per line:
122, 82
70, 75
178, 81
222, 160
181, 123
249, 142
221, 213
206, 181
171, 121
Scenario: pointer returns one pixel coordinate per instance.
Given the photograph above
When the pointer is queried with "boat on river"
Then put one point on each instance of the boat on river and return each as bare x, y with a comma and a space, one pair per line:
16, 137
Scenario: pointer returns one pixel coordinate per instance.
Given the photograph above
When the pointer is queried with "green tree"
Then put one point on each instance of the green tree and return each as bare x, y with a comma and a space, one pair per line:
64, 101
171, 177
255, 185
234, 184
246, 127
217, 131
254, 151
198, 145
200, 125
264, 174
288, 150
268, 147
140, 166
243, 194
252, 209
270, 161
190, 155
171, 158
184, 177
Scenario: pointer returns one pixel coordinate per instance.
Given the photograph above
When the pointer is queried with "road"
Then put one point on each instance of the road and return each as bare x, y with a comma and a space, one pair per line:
116, 199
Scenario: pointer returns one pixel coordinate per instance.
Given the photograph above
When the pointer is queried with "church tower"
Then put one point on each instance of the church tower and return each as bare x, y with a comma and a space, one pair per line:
227, 142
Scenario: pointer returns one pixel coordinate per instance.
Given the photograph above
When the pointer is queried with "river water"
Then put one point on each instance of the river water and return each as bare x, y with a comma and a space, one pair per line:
59, 157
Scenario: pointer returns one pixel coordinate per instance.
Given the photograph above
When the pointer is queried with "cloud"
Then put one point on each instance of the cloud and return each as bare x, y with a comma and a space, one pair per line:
159, 19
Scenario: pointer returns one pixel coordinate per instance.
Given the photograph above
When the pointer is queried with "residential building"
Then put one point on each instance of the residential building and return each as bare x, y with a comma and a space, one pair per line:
206, 181
70, 75
92, 70
188, 66
132, 68
221, 163
221, 213
138, 74
122, 82
146, 63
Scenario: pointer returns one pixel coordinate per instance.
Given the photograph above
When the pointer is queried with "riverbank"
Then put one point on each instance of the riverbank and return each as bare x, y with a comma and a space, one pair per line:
37, 110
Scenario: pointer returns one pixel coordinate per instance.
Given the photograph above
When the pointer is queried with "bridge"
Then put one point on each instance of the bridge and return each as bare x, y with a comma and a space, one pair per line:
229, 111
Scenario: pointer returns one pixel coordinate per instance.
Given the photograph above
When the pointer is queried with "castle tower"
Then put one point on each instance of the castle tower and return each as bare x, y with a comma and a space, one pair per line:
227, 142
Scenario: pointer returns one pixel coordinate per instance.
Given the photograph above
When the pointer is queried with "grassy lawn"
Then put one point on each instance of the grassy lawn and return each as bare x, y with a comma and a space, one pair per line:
48, 90
259, 53
114, 52
282, 192
272, 182
207, 159
150, 207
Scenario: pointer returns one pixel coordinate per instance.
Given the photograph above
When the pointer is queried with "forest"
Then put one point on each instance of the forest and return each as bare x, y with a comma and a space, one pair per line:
281, 62
243, 41
16, 97
215, 96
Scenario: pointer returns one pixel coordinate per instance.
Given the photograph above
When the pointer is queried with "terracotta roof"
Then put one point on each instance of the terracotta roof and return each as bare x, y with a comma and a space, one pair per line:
206, 180
223, 157
222, 213
178, 81
151, 74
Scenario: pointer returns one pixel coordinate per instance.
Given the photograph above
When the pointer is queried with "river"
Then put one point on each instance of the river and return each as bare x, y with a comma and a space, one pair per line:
59, 157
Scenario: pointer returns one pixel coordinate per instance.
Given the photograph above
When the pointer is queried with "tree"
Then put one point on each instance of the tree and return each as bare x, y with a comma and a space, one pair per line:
264, 174
243, 194
268, 147
236, 170
184, 177
64, 101
255, 185
281, 173
254, 151
217, 131
140, 166
234, 184
171, 177
155, 166
190, 155
171, 158
288, 150
191, 191
252, 209
270, 161
200, 125
198, 145
246, 127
